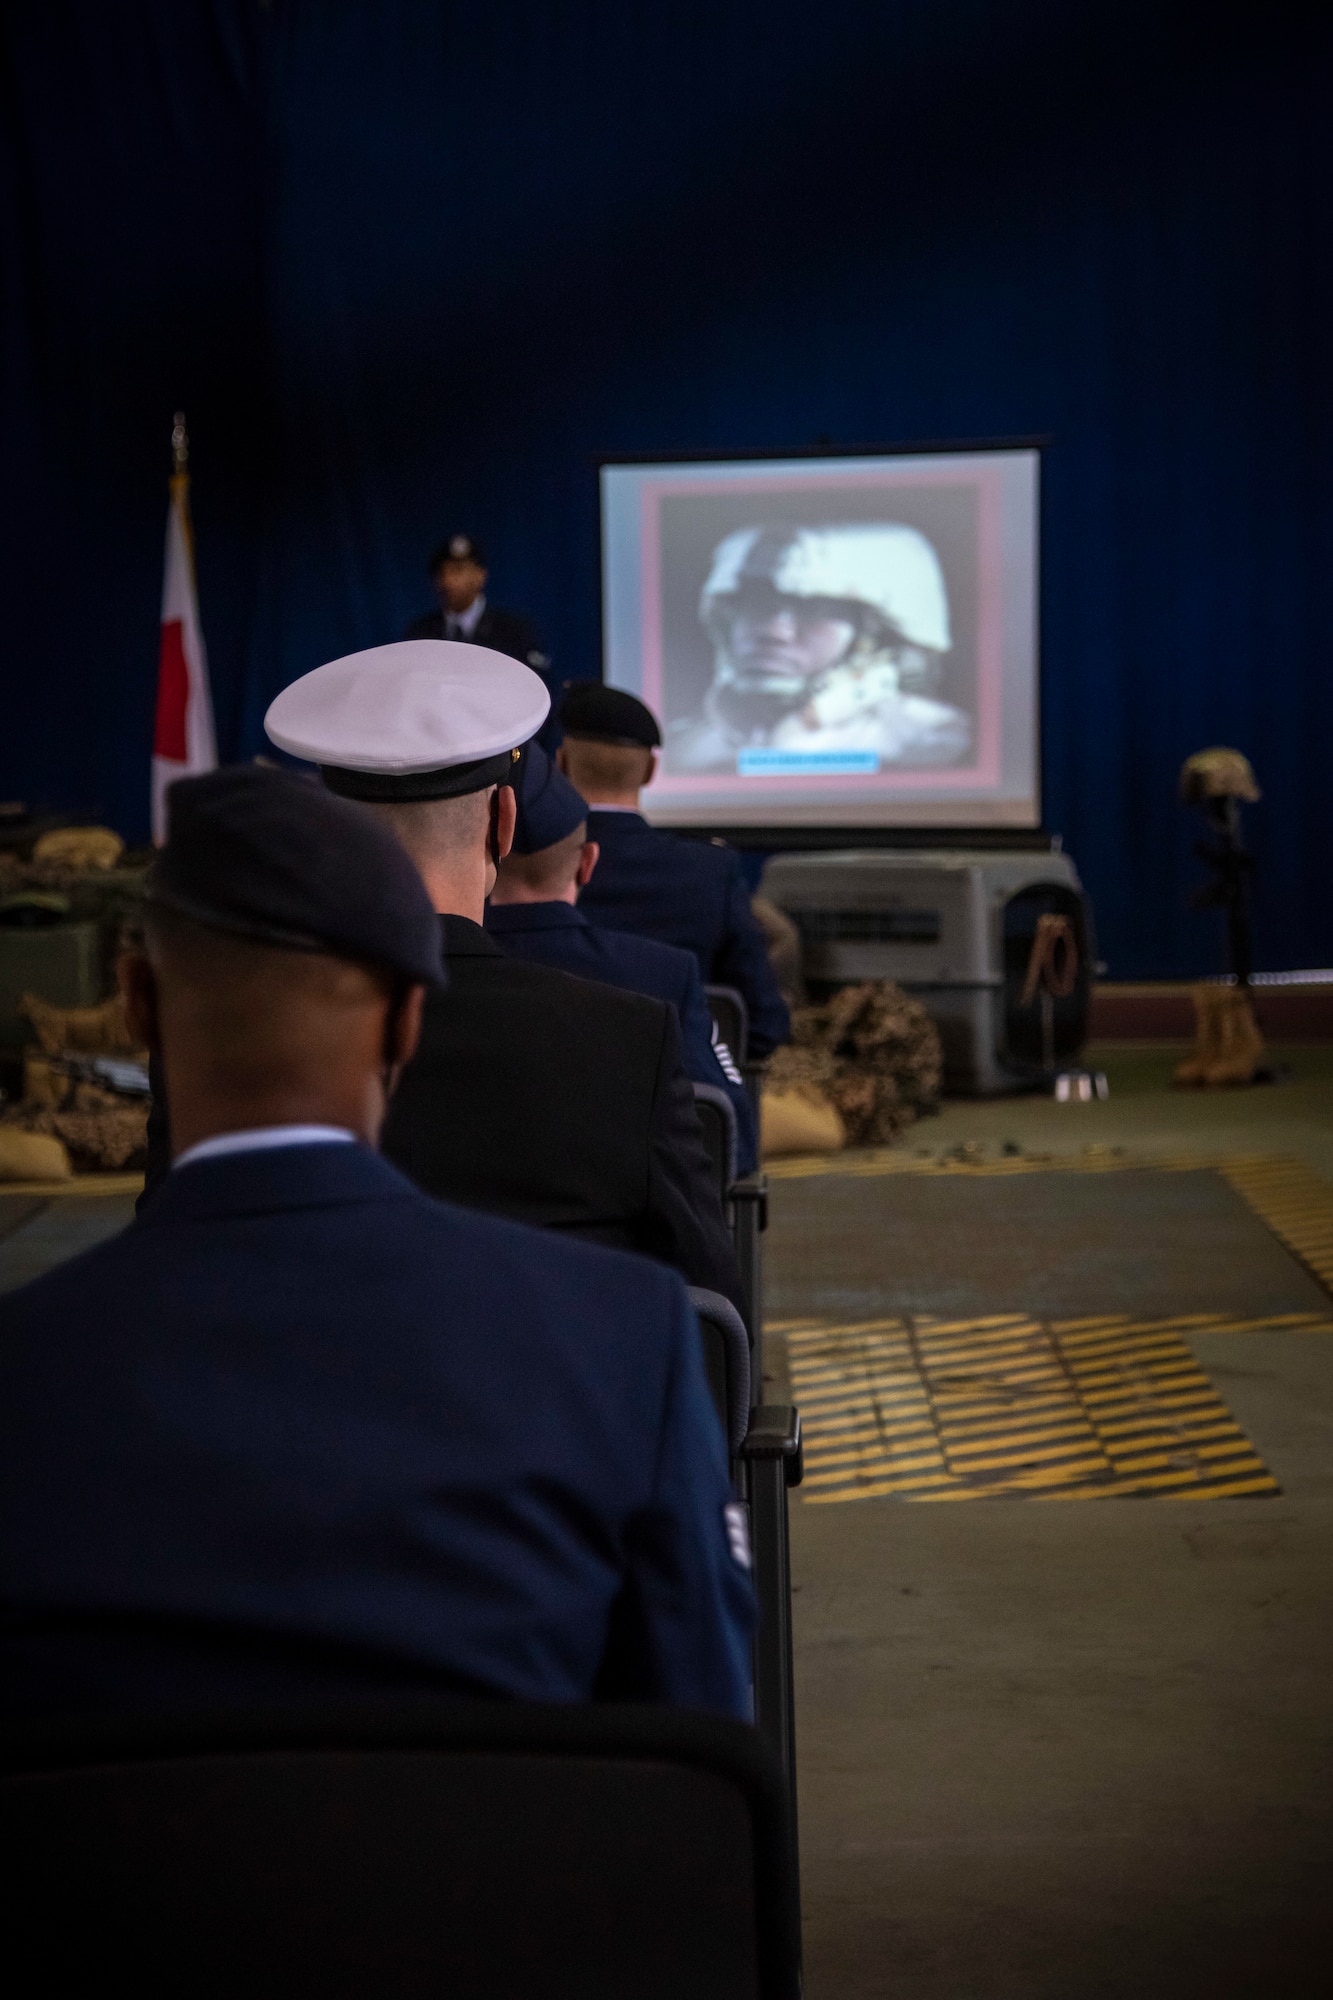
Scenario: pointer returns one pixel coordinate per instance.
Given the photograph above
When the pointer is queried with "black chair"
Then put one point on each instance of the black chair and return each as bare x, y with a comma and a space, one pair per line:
483, 1850
765, 1445
745, 1202
726, 1346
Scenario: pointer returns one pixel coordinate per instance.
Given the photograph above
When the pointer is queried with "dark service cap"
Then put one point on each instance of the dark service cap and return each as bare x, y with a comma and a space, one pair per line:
272, 856
458, 548
608, 715
548, 807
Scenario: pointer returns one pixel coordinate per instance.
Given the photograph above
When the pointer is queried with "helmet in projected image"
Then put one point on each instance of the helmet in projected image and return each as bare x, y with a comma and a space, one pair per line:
884, 577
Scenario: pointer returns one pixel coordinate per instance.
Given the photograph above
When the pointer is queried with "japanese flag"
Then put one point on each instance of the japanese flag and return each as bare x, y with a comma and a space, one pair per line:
183, 741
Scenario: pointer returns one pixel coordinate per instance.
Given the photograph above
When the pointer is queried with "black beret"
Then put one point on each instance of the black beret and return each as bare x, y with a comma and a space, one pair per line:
548, 807
273, 856
458, 548
608, 715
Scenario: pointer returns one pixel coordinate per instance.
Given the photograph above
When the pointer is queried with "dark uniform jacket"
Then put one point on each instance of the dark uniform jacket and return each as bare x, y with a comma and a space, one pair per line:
301, 1431
551, 1101
559, 934
562, 1103
503, 631
688, 893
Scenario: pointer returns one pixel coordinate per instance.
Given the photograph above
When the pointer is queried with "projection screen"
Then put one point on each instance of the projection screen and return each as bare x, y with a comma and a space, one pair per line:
831, 641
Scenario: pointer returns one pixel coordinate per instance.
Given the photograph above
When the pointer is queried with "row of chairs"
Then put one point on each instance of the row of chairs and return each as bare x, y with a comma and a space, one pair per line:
765, 1439
487, 1850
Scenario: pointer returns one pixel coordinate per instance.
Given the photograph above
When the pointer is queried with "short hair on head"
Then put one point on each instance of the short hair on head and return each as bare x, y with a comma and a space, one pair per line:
619, 767
550, 869
437, 829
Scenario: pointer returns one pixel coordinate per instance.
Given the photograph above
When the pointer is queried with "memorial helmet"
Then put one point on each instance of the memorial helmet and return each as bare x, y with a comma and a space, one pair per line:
1217, 774
886, 575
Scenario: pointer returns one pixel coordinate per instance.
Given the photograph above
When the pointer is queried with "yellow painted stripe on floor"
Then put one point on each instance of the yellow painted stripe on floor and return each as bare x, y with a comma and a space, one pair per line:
1006, 1406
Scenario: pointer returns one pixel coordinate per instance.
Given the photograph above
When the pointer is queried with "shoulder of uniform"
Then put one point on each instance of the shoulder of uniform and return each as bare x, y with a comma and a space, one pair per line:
591, 996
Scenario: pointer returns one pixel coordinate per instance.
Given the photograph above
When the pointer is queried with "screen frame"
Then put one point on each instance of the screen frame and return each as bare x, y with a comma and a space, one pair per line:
845, 831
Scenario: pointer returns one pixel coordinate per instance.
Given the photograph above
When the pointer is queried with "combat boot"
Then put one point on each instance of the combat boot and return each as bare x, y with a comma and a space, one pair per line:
1207, 1042
1240, 1045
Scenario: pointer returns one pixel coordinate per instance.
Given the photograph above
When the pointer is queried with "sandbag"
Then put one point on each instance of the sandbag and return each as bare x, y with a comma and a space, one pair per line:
90, 848
32, 1156
92, 1031
799, 1120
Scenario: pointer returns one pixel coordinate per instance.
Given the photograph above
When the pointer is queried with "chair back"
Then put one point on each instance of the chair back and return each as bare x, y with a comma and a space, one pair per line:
726, 1347
732, 1017
484, 1850
717, 1118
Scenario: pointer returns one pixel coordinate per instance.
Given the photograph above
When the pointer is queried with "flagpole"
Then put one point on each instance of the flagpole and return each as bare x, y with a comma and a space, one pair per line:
180, 479
183, 737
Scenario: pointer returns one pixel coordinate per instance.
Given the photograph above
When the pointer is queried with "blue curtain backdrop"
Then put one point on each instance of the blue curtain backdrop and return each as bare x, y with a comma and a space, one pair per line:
410, 266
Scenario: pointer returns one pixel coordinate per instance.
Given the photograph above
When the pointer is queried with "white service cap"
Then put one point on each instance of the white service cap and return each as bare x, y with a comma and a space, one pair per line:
423, 719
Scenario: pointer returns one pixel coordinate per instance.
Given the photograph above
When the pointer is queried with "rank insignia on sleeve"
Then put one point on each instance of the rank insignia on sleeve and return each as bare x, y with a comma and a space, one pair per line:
738, 1533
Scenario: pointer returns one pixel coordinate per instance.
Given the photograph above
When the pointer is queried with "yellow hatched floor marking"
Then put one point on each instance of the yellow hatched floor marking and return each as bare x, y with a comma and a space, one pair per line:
914, 1407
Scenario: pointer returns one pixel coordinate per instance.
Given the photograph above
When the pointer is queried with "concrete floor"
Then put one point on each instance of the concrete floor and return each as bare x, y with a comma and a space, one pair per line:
1074, 1751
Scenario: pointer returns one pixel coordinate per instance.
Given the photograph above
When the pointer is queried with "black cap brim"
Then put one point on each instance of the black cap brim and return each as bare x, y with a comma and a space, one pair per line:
454, 781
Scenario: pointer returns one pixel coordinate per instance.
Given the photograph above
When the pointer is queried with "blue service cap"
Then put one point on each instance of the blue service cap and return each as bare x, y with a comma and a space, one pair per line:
548, 806
608, 715
276, 857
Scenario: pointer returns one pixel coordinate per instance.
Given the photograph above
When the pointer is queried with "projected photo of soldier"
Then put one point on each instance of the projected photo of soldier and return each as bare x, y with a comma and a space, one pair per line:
826, 639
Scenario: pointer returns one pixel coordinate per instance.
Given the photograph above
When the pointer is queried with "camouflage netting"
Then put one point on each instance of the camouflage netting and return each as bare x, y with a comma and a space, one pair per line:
873, 1052
104, 1133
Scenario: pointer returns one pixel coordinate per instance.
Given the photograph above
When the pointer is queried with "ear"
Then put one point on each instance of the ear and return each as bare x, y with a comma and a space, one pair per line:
561, 760
138, 985
506, 819
588, 859
652, 767
406, 1030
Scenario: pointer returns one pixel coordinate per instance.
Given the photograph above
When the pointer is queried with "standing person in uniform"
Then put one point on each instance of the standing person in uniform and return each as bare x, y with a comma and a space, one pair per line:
458, 572
532, 1094
533, 913
301, 1432
684, 892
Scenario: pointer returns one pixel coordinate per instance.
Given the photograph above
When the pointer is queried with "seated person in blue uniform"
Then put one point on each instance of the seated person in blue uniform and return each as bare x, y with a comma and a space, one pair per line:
532, 1094
688, 893
302, 1431
533, 913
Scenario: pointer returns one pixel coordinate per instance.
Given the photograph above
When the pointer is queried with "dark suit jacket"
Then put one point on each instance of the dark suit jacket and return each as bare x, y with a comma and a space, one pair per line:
301, 1430
689, 893
558, 1102
559, 934
503, 631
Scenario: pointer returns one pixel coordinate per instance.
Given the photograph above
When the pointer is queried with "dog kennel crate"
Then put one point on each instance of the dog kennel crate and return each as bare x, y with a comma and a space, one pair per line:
997, 947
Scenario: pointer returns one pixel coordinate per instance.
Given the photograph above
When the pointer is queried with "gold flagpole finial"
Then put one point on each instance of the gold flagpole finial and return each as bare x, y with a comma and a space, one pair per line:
180, 444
